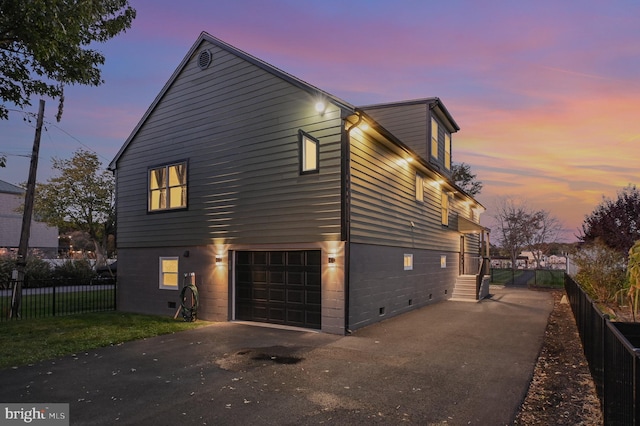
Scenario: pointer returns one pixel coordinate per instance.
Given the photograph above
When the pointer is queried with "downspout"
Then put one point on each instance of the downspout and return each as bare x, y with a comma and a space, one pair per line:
346, 214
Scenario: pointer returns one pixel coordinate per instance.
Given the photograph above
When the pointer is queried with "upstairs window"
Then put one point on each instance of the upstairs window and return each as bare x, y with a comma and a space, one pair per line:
309, 154
419, 188
168, 187
447, 150
445, 208
434, 138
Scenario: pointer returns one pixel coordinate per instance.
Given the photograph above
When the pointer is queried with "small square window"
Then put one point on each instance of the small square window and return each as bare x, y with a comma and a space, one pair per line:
168, 273
443, 261
309, 154
408, 262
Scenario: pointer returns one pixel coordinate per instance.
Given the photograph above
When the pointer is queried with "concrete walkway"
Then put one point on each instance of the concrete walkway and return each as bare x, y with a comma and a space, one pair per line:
453, 363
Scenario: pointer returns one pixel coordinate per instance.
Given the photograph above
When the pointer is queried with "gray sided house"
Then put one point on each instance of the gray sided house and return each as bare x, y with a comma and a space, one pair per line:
291, 206
43, 239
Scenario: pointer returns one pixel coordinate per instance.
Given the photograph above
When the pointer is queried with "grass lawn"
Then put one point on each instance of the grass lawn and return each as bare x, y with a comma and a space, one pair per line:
33, 340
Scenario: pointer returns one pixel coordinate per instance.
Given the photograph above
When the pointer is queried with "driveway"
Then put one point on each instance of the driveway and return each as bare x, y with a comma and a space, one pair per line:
454, 363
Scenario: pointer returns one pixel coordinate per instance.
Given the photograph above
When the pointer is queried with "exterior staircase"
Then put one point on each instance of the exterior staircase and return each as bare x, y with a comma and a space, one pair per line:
465, 289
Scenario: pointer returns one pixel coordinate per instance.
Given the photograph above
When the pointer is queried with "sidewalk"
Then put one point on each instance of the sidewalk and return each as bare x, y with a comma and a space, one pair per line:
453, 363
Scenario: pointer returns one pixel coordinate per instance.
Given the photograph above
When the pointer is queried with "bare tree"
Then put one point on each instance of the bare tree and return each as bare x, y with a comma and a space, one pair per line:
511, 218
544, 230
520, 226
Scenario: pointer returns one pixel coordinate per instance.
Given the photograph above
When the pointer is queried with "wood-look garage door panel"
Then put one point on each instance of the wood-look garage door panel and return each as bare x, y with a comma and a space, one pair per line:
281, 287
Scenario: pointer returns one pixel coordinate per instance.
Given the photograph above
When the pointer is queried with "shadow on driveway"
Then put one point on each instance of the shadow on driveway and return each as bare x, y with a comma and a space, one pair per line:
454, 363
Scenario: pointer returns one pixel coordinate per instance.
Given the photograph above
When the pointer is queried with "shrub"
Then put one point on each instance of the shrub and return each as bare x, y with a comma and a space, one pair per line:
76, 270
633, 273
7, 264
601, 271
35, 270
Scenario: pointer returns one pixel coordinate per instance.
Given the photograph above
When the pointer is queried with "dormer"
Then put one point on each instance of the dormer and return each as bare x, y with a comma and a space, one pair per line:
424, 125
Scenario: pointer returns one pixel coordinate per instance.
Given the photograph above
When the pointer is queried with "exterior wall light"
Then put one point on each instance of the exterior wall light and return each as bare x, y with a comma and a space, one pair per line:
218, 259
321, 107
332, 260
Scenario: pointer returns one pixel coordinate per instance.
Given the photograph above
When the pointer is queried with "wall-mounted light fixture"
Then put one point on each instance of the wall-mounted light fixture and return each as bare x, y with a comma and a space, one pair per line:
321, 107
218, 259
332, 259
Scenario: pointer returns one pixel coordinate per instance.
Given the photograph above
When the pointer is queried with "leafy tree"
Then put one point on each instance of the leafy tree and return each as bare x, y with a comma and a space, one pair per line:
615, 222
44, 45
462, 176
520, 226
81, 197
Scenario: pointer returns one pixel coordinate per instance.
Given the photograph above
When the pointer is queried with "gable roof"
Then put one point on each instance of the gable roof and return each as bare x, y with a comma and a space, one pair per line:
434, 104
206, 37
7, 188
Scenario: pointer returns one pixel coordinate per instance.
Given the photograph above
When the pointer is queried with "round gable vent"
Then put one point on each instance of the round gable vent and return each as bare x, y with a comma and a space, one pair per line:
204, 59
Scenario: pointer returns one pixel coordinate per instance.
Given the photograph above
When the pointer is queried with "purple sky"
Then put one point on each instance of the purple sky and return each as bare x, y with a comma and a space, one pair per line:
547, 93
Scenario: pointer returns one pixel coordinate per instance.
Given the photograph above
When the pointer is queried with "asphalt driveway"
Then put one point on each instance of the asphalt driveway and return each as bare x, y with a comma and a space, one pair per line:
454, 363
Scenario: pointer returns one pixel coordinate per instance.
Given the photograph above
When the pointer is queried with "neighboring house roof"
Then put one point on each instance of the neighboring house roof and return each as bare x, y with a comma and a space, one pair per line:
7, 188
204, 36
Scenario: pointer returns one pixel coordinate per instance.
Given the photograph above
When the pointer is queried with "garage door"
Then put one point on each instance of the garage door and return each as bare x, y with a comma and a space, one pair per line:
279, 287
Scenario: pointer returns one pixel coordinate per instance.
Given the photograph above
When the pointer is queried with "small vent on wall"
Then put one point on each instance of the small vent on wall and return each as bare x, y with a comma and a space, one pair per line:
204, 59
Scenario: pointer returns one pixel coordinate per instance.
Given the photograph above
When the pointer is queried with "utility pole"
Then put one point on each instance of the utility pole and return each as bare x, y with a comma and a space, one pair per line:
18, 276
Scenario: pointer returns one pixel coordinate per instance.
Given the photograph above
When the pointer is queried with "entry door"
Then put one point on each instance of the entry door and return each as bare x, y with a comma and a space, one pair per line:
279, 287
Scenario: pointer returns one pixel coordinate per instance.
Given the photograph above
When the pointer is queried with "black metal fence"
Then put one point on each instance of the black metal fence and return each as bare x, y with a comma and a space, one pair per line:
611, 348
48, 298
528, 277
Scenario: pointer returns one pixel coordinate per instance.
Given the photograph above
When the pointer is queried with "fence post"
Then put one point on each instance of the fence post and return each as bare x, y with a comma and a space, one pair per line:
53, 307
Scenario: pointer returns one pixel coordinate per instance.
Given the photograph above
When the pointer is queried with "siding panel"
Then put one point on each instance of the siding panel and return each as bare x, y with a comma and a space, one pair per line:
406, 122
383, 203
237, 125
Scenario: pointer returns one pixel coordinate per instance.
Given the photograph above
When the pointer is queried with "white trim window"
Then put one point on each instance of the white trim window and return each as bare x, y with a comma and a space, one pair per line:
408, 262
168, 187
309, 154
168, 273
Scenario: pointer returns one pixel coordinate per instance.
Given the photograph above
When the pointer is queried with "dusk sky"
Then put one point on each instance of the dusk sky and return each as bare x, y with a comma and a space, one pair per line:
547, 93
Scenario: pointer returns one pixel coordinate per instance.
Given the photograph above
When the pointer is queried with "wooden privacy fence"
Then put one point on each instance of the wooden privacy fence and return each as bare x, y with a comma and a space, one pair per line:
60, 297
611, 349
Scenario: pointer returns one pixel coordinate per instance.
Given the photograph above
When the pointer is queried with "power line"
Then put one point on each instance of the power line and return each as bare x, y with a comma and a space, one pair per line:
27, 116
